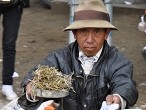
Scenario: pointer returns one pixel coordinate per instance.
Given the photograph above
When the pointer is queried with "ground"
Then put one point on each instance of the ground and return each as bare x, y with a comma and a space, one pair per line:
41, 32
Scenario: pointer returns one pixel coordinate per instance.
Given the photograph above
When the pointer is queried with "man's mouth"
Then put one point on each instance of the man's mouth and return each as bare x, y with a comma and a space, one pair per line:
89, 48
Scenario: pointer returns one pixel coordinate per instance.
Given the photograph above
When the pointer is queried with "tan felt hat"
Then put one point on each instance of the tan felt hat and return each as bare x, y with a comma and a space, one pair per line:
91, 13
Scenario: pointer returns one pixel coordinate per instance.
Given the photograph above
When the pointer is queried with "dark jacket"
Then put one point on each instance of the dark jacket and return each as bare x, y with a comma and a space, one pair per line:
15, 3
111, 74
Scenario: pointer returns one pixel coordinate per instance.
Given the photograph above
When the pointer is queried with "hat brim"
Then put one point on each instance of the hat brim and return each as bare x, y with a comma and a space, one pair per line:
90, 24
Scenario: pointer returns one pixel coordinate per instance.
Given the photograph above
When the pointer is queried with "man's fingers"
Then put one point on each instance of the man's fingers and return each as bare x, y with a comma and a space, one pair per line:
109, 99
116, 99
28, 88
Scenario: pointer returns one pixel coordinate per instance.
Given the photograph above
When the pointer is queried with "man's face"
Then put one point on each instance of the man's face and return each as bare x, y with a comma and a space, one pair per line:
90, 40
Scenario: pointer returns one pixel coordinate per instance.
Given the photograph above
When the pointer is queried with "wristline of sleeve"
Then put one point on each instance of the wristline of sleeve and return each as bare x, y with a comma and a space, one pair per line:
123, 102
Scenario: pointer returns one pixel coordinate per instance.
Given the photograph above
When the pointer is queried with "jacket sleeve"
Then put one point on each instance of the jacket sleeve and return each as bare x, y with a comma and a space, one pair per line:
121, 80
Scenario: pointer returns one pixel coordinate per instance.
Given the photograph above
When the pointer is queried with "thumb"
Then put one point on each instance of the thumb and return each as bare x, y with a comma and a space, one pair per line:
109, 99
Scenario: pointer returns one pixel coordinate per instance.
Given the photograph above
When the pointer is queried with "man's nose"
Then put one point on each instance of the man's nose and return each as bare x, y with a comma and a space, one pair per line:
90, 37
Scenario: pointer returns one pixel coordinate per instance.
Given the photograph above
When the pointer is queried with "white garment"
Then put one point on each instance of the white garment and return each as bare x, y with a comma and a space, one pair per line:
109, 107
88, 62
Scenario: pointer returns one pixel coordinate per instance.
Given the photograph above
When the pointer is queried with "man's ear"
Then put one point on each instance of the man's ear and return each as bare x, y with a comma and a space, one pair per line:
107, 31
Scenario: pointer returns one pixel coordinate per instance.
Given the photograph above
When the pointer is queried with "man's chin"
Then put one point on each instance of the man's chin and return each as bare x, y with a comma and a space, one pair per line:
89, 54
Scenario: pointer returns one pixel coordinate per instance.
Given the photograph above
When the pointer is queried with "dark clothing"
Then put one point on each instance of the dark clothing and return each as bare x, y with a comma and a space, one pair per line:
13, 3
111, 74
10, 22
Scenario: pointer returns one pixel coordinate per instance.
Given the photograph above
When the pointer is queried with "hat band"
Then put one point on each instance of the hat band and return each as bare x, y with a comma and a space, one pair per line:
91, 14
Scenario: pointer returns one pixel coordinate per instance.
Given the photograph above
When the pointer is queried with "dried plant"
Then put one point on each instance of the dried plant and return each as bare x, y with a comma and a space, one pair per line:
49, 78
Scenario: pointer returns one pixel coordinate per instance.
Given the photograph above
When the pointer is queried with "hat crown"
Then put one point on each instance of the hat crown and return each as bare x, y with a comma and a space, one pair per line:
96, 5
90, 13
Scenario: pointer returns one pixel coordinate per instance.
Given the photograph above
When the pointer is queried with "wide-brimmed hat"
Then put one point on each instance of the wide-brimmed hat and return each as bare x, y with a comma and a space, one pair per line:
91, 13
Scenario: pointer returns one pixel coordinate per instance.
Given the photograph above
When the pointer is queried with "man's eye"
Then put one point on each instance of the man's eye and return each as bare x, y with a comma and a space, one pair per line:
83, 30
97, 31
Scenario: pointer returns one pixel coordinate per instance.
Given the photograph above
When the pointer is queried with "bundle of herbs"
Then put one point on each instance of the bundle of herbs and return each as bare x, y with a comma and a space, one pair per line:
49, 82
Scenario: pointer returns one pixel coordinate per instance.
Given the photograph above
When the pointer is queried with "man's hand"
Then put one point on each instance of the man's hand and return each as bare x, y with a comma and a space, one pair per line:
113, 99
28, 88
29, 94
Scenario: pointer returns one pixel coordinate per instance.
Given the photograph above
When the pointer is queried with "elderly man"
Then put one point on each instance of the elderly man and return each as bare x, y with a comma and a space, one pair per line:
101, 72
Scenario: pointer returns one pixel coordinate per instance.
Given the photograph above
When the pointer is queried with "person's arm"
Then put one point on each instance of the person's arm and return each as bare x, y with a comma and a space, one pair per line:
121, 80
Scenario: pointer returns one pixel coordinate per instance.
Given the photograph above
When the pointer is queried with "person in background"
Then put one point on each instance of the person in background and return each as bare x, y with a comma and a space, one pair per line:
11, 17
100, 72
